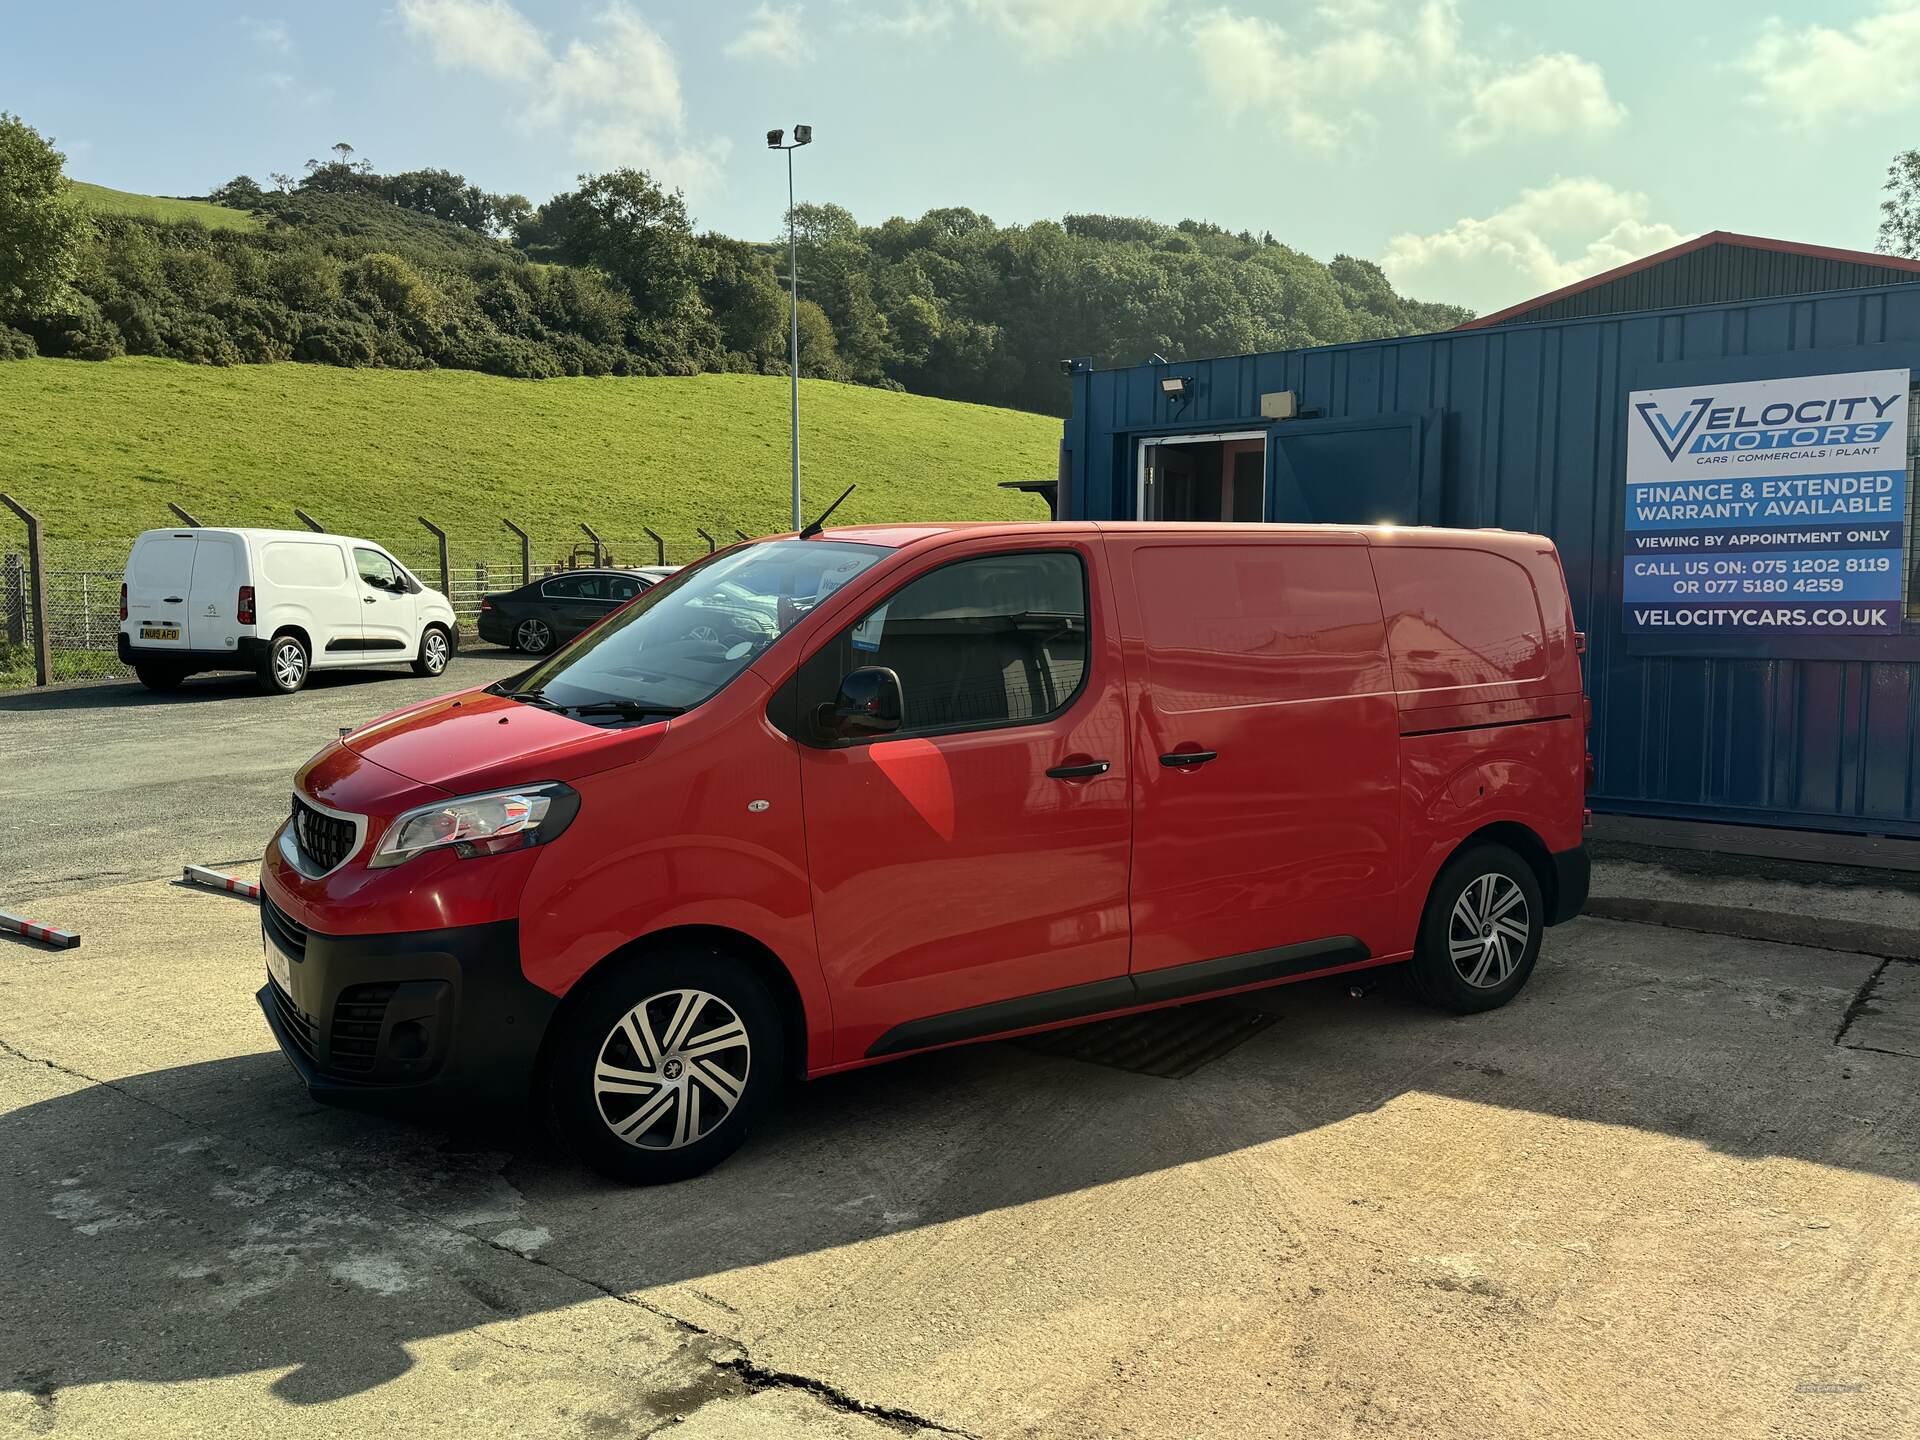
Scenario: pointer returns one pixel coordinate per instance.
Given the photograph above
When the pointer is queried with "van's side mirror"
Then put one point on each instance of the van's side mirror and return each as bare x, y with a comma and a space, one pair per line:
868, 704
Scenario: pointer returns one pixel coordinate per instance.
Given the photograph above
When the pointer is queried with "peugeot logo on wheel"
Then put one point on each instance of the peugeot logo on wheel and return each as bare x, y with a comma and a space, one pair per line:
672, 1068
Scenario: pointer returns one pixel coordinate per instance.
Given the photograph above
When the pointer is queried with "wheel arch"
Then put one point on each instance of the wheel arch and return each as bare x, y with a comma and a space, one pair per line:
299, 631
766, 965
1520, 839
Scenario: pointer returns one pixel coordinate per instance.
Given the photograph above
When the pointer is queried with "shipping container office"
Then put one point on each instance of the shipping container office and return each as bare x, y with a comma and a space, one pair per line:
1526, 427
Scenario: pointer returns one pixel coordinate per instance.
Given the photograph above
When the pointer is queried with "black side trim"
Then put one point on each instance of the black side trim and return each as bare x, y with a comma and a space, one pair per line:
1490, 725
341, 643
1179, 981
1572, 874
1121, 993
1042, 1009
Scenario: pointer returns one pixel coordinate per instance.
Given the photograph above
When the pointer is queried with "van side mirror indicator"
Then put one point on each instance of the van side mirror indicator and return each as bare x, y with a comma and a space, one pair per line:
868, 704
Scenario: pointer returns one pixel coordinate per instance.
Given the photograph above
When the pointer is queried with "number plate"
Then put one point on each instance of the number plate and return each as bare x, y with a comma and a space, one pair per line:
279, 966
159, 632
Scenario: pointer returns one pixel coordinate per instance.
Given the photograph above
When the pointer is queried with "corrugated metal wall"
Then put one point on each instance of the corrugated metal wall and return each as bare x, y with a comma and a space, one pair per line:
1714, 274
1804, 732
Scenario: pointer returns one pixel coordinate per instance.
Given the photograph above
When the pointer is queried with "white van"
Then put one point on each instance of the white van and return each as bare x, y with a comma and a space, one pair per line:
277, 602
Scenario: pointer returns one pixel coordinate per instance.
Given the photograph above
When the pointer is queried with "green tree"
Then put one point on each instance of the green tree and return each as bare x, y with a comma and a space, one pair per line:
1900, 211
41, 230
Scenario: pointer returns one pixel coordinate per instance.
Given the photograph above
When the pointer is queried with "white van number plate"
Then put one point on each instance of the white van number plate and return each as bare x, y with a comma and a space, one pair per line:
159, 632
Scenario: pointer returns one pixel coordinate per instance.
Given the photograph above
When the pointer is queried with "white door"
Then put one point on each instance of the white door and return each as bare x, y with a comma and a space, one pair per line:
386, 606
159, 582
213, 601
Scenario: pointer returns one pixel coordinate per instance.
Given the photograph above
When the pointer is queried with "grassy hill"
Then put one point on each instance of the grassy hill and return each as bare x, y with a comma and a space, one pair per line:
103, 201
99, 449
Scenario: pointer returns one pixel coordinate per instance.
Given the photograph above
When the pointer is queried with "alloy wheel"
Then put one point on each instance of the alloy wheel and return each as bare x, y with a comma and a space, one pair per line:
672, 1070
289, 665
1489, 929
436, 651
533, 636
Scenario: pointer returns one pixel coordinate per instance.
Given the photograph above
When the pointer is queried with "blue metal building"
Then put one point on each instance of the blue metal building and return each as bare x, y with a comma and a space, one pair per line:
1521, 421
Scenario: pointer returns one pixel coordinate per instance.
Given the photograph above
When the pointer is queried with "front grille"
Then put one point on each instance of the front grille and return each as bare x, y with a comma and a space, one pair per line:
298, 1027
357, 1018
324, 840
285, 931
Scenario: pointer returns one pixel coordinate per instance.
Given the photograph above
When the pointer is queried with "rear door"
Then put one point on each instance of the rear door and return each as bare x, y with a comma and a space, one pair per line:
159, 589
386, 605
573, 602
219, 570
1266, 782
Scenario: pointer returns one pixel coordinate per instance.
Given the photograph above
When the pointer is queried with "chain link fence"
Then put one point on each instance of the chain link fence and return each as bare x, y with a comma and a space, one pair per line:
83, 588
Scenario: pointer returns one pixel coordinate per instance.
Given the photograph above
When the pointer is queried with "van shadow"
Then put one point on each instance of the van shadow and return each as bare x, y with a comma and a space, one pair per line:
208, 1220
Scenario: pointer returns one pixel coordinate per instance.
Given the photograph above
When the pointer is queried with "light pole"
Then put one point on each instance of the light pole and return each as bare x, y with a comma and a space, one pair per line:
777, 140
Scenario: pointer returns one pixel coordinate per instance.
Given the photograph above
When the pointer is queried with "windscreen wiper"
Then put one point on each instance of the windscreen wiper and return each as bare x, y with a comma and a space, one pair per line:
531, 697
629, 709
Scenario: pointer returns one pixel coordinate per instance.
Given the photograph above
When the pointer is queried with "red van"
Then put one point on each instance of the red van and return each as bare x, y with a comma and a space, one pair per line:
818, 802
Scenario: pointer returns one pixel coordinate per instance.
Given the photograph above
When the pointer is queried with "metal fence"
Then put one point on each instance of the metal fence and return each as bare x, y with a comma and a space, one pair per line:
82, 581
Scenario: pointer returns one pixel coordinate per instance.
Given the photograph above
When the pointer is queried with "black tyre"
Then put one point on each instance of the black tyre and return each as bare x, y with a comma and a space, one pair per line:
283, 669
660, 1070
533, 637
161, 678
436, 648
1481, 932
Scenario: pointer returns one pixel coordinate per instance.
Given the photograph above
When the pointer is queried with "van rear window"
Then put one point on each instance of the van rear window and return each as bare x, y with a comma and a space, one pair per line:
302, 565
1249, 624
1458, 617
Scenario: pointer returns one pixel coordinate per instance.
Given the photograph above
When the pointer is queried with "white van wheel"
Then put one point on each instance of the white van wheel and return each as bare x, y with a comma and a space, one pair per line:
285, 668
435, 649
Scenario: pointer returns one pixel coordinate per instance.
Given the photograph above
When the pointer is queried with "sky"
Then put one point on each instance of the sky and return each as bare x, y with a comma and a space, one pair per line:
1483, 151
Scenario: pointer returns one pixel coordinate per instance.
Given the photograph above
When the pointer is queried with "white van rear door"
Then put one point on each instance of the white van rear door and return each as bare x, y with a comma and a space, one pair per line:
219, 570
159, 587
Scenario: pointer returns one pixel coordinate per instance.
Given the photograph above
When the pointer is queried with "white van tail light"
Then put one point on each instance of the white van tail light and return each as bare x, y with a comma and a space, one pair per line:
243, 612
123, 599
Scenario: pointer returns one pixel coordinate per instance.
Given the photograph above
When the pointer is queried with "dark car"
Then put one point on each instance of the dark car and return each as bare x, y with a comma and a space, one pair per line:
551, 611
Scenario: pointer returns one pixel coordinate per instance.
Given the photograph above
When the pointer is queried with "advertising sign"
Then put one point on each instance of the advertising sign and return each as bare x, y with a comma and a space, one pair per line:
1767, 506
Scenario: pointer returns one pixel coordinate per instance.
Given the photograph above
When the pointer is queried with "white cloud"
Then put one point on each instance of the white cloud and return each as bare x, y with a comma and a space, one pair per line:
1052, 27
1042, 29
271, 36
1550, 95
772, 33
1551, 236
615, 91
1819, 73
1316, 84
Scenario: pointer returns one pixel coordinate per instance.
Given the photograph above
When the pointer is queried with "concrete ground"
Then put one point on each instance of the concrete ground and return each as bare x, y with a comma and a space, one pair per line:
1671, 1189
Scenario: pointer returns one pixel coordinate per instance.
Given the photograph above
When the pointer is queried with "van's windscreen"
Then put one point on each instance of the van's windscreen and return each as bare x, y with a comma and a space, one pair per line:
680, 642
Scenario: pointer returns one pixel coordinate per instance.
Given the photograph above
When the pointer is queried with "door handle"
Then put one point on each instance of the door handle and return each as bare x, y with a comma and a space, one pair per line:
1179, 758
366, 599
1079, 772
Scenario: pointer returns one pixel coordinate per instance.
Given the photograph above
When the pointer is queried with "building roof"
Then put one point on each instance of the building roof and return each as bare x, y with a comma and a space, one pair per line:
1709, 269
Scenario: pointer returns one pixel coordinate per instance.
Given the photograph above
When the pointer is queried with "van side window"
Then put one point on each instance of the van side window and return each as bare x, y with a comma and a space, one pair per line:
377, 569
1233, 625
1459, 617
994, 641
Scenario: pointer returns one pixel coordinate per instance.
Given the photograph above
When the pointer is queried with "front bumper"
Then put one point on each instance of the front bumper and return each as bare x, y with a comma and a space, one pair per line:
424, 1014
1572, 874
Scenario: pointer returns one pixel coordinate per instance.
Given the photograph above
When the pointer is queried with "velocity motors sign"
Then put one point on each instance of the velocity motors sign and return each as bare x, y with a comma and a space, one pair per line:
1767, 506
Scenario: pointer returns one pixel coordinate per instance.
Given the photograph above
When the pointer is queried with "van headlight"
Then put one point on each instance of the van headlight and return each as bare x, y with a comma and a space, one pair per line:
488, 824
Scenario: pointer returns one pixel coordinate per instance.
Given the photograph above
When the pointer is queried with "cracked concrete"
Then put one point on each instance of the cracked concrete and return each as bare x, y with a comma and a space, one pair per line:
1673, 1188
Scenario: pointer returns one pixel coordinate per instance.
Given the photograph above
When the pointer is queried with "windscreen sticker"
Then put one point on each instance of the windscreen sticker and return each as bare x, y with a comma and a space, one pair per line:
867, 634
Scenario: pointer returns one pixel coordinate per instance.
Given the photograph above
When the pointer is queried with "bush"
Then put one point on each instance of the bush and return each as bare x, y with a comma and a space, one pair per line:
82, 333
16, 344
333, 341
